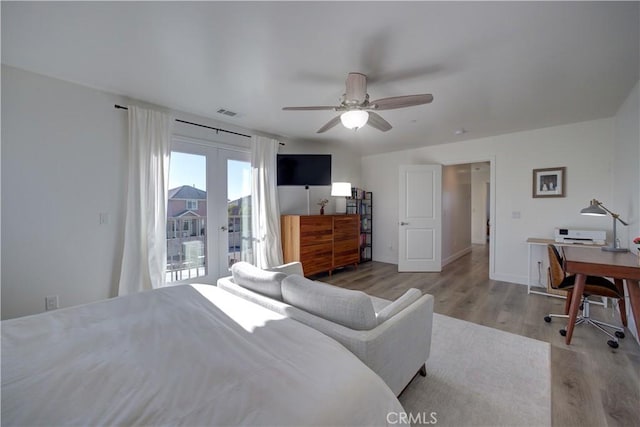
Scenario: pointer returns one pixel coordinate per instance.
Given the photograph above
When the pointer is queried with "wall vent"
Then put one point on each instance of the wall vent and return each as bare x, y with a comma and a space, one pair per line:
227, 112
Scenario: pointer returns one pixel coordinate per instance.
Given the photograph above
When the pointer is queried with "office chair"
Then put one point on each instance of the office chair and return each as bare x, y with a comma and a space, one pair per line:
594, 285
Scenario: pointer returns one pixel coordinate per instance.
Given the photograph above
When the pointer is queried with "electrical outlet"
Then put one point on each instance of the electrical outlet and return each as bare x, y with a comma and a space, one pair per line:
51, 302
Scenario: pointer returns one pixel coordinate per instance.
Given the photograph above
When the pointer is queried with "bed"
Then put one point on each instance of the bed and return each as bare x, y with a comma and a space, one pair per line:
182, 355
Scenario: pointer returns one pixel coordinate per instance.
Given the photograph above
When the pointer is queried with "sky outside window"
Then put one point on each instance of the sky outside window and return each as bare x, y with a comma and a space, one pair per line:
190, 169
238, 179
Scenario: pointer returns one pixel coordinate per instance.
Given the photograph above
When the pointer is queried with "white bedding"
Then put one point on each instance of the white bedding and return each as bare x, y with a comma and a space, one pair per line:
182, 355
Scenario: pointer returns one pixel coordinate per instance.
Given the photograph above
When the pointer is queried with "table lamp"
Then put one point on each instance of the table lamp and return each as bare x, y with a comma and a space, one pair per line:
341, 190
596, 208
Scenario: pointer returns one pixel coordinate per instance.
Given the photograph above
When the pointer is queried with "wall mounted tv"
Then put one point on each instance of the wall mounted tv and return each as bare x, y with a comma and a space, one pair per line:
304, 169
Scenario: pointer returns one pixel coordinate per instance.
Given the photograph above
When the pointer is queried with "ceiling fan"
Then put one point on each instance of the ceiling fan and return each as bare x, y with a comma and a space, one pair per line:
358, 111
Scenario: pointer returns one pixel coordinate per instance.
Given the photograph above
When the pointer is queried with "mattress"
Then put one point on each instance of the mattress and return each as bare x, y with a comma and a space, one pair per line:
182, 355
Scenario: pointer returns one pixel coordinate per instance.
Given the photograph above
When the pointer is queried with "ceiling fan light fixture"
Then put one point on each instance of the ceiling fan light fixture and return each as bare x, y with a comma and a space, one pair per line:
354, 119
355, 103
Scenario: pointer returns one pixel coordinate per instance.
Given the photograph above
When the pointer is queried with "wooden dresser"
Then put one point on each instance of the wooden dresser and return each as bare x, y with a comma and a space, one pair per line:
321, 242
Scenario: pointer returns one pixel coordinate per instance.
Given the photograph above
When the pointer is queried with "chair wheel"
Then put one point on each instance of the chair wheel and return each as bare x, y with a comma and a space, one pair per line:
563, 332
612, 343
547, 319
619, 334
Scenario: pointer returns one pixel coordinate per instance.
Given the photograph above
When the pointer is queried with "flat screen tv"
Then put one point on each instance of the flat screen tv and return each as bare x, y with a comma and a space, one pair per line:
304, 169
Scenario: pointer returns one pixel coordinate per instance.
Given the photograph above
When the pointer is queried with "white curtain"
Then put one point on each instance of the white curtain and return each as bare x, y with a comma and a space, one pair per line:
144, 257
265, 209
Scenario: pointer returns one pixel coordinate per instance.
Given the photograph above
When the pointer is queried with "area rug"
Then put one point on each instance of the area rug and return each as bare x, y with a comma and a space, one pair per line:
480, 376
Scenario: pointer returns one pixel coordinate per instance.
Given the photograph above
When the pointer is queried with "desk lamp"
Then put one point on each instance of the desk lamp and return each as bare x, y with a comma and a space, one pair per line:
596, 208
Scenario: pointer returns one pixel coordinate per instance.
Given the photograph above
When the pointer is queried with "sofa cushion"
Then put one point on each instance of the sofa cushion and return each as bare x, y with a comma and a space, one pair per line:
352, 309
263, 282
398, 305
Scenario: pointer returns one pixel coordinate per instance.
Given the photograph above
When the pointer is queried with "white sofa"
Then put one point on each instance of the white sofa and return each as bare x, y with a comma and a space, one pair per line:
392, 338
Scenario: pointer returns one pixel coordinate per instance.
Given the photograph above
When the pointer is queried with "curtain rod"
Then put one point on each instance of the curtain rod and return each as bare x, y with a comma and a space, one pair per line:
197, 124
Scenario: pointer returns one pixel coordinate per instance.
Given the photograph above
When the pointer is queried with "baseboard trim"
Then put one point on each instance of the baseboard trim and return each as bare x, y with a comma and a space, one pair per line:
386, 260
455, 256
511, 278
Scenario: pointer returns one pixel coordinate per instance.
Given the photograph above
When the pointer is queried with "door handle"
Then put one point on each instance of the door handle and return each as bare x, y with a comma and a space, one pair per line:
404, 223
223, 228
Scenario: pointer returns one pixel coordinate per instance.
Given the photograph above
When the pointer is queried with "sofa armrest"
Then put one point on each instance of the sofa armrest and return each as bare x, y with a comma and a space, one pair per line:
402, 344
396, 349
398, 305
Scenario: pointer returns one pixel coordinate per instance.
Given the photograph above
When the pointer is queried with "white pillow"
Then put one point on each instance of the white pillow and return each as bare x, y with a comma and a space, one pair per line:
263, 282
398, 305
352, 309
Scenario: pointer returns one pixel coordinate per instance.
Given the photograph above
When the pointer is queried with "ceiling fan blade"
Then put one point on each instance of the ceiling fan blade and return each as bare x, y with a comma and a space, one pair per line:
331, 123
378, 122
321, 107
401, 101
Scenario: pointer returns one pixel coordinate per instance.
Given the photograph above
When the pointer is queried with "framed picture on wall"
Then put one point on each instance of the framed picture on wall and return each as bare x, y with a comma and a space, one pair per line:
549, 182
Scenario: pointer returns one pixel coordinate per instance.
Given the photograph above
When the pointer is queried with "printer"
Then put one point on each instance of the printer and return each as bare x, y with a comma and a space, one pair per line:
584, 237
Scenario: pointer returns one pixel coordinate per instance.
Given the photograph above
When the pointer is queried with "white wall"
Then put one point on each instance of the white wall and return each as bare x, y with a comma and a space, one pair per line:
584, 148
63, 162
626, 176
456, 212
64, 153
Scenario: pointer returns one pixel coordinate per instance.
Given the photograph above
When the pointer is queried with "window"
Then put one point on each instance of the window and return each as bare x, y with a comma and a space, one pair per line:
192, 205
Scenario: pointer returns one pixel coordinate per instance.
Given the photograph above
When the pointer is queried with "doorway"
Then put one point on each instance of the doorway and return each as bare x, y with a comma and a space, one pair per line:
467, 209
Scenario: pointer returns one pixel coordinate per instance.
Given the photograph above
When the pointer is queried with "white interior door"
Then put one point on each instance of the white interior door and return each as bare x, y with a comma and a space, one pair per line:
420, 218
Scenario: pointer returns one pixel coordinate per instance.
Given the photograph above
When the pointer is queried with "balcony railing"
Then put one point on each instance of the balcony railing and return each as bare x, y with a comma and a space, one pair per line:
184, 264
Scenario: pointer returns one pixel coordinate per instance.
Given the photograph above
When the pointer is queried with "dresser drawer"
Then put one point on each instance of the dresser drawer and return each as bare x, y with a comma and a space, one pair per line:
346, 252
346, 227
316, 258
315, 229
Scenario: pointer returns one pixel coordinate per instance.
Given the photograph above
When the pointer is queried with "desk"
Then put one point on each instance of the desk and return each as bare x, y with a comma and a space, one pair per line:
583, 262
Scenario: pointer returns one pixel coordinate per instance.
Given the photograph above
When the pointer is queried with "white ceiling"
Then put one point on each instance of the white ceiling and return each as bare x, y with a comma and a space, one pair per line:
492, 68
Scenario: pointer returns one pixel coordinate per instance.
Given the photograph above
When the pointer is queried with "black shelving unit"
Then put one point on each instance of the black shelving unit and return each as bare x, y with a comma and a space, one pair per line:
361, 203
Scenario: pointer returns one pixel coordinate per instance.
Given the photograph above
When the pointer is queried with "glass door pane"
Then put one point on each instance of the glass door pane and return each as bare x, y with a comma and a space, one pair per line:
238, 210
186, 217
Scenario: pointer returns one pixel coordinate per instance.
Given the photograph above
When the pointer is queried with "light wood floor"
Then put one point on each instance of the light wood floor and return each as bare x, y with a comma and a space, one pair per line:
592, 384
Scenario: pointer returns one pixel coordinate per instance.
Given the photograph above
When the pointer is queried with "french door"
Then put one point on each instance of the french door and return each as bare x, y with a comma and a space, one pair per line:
208, 211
